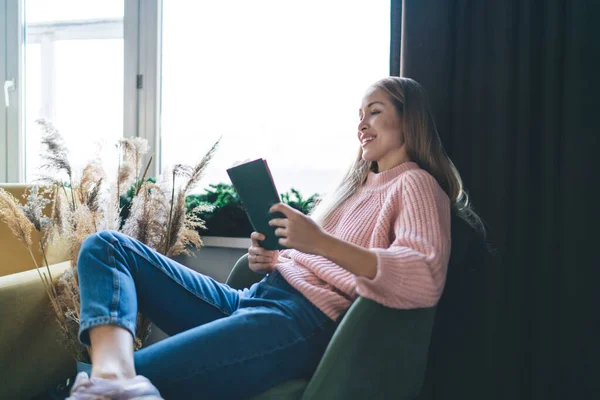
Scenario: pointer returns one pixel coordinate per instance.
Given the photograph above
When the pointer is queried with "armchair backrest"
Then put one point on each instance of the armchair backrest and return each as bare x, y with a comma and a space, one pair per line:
456, 331
14, 257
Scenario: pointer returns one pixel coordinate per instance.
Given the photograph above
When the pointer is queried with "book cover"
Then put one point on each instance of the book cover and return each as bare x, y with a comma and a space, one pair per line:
254, 184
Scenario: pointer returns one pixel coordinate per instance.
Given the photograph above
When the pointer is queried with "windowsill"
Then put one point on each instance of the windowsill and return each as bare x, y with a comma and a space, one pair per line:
226, 242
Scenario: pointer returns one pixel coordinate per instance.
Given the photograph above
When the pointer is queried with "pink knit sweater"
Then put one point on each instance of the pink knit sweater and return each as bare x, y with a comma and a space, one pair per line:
403, 215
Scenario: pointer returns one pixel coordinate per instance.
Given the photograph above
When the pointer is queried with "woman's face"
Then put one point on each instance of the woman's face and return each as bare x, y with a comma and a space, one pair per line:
379, 131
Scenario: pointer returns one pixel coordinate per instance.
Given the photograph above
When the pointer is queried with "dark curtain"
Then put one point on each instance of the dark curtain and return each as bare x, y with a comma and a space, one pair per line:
514, 88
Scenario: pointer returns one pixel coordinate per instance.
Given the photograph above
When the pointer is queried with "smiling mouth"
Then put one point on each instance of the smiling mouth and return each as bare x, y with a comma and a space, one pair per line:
366, 142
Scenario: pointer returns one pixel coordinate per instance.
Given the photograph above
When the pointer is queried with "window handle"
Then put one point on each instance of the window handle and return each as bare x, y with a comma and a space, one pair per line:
9, 86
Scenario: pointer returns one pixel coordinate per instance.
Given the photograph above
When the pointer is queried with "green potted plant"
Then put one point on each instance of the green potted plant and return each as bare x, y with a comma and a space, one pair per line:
223, 212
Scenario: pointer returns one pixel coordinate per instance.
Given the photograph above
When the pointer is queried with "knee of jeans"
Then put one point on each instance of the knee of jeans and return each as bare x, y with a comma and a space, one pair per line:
109, 236
94, 246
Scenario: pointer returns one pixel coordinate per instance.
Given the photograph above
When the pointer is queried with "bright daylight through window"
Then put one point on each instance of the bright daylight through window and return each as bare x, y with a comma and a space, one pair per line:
281, 80
73, 76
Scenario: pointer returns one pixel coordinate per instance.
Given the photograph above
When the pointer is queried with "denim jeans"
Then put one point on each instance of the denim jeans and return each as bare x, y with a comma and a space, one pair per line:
223, 344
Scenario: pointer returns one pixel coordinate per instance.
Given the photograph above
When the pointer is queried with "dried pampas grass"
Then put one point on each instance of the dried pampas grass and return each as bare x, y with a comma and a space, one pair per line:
125, 176
176, 225
134, 150
33, 209
85, 202
82, 225
56, 157
147, 217
93, 198
110, 210
193, 174
178, 235
89, 184
67, 289
189, 237
22, 219
15, 218
58, 212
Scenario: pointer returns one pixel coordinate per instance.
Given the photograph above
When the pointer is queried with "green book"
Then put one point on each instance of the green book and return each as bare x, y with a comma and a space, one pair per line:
254, 184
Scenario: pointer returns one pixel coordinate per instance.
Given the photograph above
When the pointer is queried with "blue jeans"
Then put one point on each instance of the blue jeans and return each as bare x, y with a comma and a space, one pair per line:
224, 343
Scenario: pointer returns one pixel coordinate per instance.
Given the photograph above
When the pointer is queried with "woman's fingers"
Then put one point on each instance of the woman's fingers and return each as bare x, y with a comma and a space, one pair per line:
260, 259
283, 222
257, 254
259, 262
255, 237
281, 232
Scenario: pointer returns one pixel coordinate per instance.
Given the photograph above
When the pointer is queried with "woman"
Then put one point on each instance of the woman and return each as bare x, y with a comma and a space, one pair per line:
383, 234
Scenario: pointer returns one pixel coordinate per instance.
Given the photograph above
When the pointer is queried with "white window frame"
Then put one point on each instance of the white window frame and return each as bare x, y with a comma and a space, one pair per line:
11, 116
149, 71
3, 78
141, 93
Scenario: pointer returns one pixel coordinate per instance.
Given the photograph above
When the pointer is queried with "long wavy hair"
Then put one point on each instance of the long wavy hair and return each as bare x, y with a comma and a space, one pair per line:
423, 146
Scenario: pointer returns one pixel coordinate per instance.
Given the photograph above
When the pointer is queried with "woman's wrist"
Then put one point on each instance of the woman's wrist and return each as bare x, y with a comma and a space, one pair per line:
325, 245
353, 258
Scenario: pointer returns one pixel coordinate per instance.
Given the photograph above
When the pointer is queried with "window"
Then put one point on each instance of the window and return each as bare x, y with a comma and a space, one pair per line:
277, 79
73, 76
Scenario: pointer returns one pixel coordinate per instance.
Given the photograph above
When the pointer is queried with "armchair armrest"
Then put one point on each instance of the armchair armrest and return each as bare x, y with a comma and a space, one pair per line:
31, 354
376, 352
241, 276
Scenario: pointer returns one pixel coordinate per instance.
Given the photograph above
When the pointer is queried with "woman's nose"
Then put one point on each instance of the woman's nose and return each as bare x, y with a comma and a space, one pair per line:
362, 125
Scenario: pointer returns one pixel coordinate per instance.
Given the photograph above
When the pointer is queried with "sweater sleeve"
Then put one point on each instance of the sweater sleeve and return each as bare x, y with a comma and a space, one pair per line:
411, 273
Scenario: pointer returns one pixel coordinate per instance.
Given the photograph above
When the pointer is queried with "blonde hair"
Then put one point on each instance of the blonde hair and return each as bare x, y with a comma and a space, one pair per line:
423, 146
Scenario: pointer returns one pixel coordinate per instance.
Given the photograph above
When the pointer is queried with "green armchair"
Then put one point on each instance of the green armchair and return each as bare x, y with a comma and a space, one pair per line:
383, 353
376, 352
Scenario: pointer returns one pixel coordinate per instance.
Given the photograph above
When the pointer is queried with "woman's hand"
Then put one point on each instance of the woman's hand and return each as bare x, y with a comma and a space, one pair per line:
297, 231
260, 260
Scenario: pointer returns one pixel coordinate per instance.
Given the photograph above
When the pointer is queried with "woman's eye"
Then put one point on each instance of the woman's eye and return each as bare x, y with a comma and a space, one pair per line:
375, 112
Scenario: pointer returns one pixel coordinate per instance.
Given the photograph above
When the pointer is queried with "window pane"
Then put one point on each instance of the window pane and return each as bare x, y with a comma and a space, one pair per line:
74, 77
33, 107
279, 80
